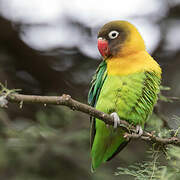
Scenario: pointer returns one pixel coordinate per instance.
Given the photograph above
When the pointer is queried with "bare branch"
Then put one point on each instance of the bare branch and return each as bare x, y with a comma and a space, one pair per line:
149, 137
66, 100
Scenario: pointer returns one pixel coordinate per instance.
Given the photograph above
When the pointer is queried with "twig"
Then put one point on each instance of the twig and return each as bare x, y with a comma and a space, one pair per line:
66, 100
148, 137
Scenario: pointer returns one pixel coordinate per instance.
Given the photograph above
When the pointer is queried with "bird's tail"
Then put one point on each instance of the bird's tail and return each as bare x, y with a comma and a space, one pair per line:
107, 146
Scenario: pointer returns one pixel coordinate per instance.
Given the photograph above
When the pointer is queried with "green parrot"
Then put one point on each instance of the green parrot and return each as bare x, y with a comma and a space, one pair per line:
125, 86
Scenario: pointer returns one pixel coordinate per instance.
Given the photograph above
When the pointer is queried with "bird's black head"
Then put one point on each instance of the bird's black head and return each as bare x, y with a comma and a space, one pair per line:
113, 36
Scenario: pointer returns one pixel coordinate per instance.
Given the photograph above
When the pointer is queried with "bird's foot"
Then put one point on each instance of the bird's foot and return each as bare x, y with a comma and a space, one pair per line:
116, 119
139, 130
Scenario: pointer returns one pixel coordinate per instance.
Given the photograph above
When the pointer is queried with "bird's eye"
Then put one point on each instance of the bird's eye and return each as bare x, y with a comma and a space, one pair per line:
113, 34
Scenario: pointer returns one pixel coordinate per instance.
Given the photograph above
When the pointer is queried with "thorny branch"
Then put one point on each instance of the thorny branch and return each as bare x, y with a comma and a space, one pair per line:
66, 100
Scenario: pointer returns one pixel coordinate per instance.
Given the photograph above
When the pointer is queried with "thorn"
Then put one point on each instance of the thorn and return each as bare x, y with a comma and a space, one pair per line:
21, 105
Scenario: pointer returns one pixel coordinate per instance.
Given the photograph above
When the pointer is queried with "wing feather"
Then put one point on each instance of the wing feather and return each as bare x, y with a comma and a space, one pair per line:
96, 86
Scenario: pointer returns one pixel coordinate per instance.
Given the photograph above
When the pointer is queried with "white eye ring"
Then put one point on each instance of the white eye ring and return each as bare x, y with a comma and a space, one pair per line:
113, 34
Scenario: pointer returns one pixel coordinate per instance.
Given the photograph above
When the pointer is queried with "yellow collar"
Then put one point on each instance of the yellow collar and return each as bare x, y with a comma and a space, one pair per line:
136, 62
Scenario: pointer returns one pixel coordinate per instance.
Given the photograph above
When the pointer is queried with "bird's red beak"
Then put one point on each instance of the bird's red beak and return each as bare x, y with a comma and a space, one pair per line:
103, 47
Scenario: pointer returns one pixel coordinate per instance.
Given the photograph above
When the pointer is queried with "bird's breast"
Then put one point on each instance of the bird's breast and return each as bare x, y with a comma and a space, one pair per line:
131, 96
134, 63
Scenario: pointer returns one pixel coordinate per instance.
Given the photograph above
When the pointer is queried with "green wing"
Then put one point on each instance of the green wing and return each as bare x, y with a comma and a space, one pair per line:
96, 86
97, 83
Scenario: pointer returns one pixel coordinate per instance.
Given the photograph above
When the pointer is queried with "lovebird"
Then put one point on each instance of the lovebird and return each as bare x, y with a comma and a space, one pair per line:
125, 85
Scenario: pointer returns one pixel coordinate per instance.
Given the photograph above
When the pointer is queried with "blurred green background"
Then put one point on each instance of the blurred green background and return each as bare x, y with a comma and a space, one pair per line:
48, 47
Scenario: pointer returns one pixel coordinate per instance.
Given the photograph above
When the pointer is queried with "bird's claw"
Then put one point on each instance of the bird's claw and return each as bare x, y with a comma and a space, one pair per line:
116, 119
139, 130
